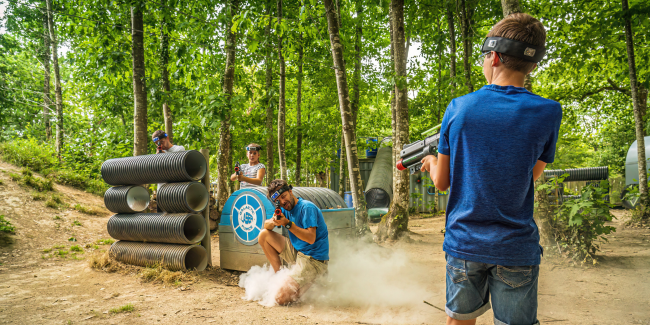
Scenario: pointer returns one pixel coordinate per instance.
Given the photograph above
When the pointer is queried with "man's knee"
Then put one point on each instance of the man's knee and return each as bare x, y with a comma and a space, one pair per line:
286, 295
264, 235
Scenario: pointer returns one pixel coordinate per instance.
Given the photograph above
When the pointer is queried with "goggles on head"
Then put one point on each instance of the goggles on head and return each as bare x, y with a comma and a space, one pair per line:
253, 148
156, 139
279, 192
517, 49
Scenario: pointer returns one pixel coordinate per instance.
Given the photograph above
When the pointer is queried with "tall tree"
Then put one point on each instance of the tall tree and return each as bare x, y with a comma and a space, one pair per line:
139, 83
223, 157
511, 7
165, 26
452, 45
343, 175
638, 114
281, 101
270, 173
357, 63
466, 11
356, 184
298, 113
57, 80
47, 101
396, 221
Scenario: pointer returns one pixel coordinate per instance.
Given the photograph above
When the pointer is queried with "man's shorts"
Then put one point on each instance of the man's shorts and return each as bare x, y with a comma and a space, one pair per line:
307, 269
513, 290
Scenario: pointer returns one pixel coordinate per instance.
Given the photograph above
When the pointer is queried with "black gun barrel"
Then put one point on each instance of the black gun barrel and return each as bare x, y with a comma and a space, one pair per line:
407, 162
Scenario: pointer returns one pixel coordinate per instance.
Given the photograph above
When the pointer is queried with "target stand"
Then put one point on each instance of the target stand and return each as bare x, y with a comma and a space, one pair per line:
246, 210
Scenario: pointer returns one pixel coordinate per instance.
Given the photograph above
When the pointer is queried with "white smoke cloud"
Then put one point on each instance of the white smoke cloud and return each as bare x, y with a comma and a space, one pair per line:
360, 274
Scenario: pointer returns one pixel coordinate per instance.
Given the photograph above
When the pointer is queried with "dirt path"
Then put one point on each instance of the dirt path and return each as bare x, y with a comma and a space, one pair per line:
55, 290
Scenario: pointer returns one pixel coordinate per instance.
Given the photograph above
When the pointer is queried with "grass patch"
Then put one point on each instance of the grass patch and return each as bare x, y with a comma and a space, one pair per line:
77, 223
86, 209
102, 260
56, 218
55, 201
47, 250
58, 246
105, 241
36, 196
26, 177
157, 274
6, 226
76, 248
2, 182
61, 253
123, 309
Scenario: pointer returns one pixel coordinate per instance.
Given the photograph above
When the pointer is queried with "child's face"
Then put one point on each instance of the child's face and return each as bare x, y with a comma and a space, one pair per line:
253, 156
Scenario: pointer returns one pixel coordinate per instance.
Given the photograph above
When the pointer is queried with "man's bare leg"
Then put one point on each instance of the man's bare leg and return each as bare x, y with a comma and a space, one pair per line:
289, 292
451, 321
273, 244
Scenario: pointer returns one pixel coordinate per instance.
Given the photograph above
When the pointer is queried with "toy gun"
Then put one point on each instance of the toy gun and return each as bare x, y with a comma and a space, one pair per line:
237, 168
278, 212
413, 153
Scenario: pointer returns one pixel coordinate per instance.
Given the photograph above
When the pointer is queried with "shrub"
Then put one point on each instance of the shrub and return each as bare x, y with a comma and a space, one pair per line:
36, 196
6, 226
29, 153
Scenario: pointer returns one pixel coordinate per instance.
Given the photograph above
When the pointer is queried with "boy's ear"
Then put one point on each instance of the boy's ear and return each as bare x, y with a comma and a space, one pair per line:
495, 59
532, 69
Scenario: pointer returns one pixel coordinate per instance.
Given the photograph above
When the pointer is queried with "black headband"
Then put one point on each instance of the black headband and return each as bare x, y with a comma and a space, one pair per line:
517, 49
279, 192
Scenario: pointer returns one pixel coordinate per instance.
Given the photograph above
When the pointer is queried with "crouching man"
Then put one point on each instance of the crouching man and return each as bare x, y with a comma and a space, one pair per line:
307, 248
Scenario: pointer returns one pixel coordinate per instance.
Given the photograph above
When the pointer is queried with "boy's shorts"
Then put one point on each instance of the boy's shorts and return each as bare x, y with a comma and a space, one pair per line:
307, 269
513, 290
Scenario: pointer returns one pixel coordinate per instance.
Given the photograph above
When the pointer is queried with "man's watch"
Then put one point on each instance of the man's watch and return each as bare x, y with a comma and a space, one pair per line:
288, 226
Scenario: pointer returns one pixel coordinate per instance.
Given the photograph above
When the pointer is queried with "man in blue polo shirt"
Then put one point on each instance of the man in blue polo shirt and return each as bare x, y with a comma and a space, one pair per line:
306, 249
494, 144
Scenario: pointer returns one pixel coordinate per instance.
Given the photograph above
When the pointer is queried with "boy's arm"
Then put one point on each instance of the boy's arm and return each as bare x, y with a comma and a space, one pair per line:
538, 169
438, 168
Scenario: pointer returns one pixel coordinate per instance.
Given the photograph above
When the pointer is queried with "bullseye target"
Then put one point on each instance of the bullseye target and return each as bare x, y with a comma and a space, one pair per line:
247, 218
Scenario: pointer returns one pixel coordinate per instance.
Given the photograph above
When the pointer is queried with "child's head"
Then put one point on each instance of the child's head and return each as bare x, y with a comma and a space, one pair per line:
520, 27
253, 152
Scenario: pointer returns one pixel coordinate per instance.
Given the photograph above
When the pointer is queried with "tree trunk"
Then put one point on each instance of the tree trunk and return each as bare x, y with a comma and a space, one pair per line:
356, 184
394, 223
139, 83
57, 81
452, 42
281, 104
298, 117
466, 12
511, 7
638, 117
357, 65
47, 101
342, 170
165, 26
223, 158
270, 173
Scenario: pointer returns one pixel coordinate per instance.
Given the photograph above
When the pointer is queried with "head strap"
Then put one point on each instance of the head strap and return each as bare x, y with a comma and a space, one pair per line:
517, 49
156, 139
253, 148
279, 192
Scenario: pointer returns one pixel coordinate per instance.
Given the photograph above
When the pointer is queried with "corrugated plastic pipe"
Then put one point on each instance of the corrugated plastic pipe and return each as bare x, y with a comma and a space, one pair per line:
176, 228
323, 198
126, 199
379, 190
183, 197
580, 174
159, 168
169, 256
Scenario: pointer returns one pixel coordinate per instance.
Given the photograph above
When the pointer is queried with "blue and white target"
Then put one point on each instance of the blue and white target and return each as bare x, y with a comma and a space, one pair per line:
247, 218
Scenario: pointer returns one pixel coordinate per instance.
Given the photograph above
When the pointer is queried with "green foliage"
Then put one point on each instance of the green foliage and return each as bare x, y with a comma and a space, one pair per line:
106, 241
76, 223
6, 226
85, 209
76, 248
578, 224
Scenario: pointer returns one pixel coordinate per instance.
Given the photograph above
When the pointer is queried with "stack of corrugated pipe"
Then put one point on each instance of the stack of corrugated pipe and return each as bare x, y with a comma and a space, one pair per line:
170, 239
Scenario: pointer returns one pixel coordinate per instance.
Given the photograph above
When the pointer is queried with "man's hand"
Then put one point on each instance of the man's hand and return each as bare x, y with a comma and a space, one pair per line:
429, 163
280, 221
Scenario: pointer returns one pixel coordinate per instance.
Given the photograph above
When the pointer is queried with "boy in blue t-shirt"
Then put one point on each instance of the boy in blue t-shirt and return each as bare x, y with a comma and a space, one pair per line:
494, 144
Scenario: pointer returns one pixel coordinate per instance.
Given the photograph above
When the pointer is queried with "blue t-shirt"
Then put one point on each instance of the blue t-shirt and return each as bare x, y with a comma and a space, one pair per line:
305, 215
494, 137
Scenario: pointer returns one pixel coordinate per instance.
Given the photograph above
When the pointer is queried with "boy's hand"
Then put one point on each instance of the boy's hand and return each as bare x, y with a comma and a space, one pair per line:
428, 163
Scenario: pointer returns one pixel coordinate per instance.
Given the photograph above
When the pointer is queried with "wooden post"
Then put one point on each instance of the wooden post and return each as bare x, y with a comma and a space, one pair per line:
205, 242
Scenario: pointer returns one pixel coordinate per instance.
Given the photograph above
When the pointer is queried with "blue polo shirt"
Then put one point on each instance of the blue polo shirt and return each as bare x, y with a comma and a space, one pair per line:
306, 214
494, 137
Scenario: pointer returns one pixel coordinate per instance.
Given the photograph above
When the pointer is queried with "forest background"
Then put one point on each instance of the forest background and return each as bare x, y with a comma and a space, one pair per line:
221, 75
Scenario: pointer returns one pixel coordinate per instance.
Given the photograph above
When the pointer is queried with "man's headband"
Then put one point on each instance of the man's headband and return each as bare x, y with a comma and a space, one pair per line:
253, 148
517, 49
280, 191
156, 139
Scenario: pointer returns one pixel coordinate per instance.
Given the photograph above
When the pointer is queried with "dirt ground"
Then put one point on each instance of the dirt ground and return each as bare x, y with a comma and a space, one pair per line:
37, 289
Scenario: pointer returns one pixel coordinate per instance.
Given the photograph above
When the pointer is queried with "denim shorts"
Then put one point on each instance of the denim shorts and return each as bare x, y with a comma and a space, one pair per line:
513, 290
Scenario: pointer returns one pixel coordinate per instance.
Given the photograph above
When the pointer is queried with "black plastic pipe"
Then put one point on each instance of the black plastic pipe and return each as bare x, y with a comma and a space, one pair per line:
159, 168
174, 228
182, 197
169, 256
126, 199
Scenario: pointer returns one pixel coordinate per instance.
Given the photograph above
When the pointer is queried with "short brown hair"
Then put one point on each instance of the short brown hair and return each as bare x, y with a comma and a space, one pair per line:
256, 146
519, 27
275, 185
159, 134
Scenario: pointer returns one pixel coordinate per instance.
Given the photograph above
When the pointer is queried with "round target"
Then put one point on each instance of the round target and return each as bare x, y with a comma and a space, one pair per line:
247, 218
